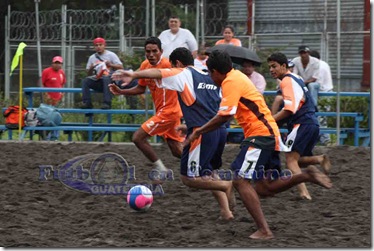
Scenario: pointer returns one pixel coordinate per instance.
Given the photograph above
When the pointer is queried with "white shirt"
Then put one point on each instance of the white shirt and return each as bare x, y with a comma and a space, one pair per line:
325, 78
201, 64
183, 38
311, 70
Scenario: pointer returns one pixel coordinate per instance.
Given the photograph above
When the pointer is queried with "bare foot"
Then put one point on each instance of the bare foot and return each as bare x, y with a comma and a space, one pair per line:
226, 216
326, 164
262, 236
318, 177
306, 196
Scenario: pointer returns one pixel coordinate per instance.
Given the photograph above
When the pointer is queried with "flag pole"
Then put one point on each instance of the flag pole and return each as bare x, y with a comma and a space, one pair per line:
20, 113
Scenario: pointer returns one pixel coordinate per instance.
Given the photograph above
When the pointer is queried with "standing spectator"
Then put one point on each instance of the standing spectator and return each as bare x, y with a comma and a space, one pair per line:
100, 66
325, 85
201, 58
257, 79
308, 68
228, 37
54, 77
176, 37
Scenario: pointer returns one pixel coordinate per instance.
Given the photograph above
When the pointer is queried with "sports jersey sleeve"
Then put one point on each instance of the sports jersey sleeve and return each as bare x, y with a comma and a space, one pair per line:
288, 93
180, 80
230, 99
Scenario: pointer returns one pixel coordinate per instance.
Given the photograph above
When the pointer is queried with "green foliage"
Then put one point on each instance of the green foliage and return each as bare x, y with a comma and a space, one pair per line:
132, 61
347, 104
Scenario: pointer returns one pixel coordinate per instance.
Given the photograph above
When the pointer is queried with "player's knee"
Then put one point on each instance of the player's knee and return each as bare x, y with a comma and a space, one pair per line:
177, 153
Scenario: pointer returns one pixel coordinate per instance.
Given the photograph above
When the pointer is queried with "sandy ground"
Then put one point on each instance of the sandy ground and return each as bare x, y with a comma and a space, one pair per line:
39, 211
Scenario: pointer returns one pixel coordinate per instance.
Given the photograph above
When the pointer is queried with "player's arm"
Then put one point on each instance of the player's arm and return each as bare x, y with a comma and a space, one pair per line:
211, 125
127, 76
136, 90
282, 115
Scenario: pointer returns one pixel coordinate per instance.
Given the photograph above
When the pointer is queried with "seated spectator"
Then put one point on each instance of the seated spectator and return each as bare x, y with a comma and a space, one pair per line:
99, 68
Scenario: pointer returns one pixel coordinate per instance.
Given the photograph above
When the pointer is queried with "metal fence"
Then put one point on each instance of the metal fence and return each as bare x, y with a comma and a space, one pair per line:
70, 32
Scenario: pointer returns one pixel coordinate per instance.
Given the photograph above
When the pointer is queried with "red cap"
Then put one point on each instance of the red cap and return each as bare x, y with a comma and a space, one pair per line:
99, 40
57, 59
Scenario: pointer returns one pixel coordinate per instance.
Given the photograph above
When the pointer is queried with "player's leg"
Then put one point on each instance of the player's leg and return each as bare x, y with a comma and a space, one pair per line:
249, 165
322, 160
175, 147
301, 141
197, 170
173, 137
140, 139
252, 203
292, 159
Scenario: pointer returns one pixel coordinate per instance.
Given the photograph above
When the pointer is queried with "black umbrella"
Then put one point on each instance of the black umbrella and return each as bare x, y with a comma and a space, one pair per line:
238, 54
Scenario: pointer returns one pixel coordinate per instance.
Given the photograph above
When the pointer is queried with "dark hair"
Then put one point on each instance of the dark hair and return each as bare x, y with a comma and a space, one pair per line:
183, 55
219, 61
230, 27
278, 57
315, 54
153, 40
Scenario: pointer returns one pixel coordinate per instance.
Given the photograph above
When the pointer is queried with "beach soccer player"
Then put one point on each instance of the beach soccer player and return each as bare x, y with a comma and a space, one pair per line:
302, 123
199, 99
262, 140
168, 112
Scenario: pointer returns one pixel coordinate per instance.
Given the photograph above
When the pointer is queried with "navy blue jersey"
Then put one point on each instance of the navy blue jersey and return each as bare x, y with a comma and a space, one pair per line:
198, 95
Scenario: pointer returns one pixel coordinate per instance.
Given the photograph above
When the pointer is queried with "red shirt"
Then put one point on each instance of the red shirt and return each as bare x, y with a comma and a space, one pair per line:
53, 79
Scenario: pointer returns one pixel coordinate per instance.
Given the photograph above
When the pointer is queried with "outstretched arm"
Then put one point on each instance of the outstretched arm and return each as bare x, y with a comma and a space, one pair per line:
212, 124
127, 76
136, 90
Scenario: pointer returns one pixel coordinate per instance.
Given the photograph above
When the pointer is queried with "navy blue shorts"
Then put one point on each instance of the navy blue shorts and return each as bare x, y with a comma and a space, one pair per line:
303, 138
257, 161
204, 154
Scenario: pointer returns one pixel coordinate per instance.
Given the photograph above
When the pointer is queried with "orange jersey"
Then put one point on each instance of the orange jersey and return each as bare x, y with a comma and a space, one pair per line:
166, 101
233, 41
241, 98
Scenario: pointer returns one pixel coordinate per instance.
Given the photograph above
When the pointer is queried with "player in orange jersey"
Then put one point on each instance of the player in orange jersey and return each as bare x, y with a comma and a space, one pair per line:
168, 112
261, 145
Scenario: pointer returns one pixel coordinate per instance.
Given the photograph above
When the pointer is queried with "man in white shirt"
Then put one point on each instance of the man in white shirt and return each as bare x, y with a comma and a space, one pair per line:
324, 78
308, 68
177, 37
325, 82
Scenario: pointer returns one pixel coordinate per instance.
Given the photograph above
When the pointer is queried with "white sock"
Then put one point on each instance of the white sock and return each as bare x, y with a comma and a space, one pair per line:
160, 166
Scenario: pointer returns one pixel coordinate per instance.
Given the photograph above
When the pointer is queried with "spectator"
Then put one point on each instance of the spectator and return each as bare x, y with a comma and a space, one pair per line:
308, 68
54, 77
325, 85
99, 68
176, 37
257, 79
201, 58
228, 37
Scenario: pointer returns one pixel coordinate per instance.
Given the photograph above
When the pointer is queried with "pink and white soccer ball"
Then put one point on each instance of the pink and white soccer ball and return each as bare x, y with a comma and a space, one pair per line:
140, 198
